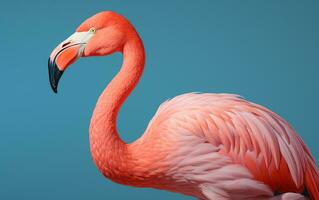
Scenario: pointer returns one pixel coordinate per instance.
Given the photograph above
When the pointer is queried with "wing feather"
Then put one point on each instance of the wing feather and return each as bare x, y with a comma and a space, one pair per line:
248, 133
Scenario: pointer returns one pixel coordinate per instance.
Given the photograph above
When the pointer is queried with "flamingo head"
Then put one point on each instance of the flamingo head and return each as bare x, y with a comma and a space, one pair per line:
100, 35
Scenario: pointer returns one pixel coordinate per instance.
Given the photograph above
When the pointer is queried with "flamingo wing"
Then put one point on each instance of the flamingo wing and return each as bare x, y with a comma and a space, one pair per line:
249, 134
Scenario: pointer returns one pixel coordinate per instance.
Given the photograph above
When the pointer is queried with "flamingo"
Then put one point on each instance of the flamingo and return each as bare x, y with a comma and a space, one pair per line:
209, 146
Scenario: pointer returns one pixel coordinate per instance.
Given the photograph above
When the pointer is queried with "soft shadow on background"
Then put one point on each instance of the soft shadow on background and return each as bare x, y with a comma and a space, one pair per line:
264, 51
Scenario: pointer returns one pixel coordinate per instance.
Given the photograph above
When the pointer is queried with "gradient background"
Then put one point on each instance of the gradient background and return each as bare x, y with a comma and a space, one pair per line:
266, 51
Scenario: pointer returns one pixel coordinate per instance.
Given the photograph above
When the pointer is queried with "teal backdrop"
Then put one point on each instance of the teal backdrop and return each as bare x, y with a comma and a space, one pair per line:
266, 51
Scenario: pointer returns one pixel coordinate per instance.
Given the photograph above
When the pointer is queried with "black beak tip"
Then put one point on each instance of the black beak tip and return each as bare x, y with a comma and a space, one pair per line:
54, 75
55, 89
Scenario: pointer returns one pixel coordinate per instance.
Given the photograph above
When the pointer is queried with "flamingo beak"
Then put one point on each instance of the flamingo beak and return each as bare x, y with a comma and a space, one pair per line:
64, 55
54, 75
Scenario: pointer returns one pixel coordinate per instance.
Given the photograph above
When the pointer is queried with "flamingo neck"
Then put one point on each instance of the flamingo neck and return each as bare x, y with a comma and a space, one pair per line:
109, 151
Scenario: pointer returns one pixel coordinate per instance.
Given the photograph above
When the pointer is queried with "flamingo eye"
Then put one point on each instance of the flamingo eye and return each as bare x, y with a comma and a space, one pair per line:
92, 30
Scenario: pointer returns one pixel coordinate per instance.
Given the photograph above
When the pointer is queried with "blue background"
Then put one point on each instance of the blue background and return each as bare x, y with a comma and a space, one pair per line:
266, 51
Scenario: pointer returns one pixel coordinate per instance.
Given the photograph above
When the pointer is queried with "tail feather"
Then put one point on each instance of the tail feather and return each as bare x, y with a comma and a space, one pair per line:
312, 178
289, 196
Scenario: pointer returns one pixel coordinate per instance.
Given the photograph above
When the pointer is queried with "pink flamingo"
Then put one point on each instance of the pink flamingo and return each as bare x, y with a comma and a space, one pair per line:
209, 146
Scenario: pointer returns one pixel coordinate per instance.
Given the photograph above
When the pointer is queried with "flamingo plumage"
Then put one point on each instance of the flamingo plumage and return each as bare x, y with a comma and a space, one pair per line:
209, 146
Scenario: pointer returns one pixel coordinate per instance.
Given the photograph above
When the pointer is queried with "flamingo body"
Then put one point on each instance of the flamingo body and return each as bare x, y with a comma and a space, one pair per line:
229, 147
210, 146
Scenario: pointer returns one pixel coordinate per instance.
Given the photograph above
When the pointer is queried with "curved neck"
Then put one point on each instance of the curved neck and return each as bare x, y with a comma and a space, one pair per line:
108, 150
